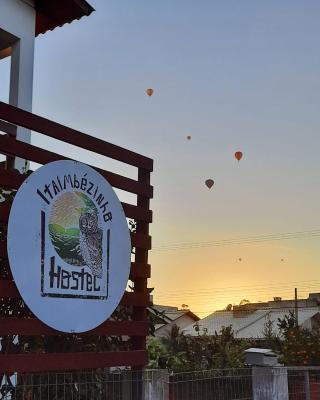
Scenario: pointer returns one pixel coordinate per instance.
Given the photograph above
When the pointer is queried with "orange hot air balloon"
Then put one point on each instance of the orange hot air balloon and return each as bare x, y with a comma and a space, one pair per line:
238, 155
209, 183
189, 137
149, 92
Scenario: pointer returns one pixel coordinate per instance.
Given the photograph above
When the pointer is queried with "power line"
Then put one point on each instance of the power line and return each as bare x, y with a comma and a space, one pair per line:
290, 284
247, 240
230, 298
251, 237
263, 309
258, 308
229, 293
225, 312
258, 298
237, 294
252, 291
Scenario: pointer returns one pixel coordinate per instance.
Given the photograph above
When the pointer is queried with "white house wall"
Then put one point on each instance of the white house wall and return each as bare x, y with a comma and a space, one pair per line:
17, 17
182, 322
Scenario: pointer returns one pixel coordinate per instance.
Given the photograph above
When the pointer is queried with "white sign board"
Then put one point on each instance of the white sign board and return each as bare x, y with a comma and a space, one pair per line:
69, 246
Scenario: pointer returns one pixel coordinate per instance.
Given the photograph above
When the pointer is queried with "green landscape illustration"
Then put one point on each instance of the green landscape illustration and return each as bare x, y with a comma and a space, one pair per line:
64, 225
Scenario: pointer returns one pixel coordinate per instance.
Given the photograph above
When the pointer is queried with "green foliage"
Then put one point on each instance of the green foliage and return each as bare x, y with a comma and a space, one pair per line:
155, 318
271, 338
157, 353
299, 346
296, 346
179, 352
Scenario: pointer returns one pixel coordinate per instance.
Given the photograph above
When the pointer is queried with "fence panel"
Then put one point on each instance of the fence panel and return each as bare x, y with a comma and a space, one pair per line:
16, 320
101, 384
304, 383
232, 384
212, 385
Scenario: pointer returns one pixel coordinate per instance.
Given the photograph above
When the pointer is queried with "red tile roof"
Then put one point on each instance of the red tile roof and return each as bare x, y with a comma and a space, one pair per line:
54, 13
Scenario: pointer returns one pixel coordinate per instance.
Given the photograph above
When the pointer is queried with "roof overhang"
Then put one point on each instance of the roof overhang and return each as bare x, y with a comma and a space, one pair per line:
192, 315
53, 13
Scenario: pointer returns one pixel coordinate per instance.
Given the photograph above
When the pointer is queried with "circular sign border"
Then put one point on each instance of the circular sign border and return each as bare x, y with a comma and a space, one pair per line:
108, 306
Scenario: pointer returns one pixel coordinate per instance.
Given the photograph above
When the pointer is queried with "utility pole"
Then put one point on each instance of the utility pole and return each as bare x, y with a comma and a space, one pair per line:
296, 306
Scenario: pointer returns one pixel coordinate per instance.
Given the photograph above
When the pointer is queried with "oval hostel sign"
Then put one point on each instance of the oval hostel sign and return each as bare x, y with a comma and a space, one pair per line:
69, 246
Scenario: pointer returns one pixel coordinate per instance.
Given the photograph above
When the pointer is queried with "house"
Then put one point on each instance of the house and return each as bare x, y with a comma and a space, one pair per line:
20, 22
165, 317
249, 320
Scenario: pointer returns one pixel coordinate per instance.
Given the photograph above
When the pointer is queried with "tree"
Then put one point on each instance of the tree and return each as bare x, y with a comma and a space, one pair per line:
299, 346
179, 352
271, 338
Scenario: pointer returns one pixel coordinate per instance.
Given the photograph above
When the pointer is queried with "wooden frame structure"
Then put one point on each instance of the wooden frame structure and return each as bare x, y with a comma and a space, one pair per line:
138, 300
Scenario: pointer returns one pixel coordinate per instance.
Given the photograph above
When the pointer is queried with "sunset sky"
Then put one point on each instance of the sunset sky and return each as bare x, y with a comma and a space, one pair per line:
235, 75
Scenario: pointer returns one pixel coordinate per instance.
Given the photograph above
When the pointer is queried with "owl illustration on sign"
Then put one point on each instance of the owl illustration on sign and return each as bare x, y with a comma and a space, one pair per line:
91, 242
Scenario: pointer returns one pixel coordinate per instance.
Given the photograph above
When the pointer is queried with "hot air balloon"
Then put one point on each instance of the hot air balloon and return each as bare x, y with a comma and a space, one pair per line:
238, 155
209, 183
188, 137
282, 259
149, 92
240, 259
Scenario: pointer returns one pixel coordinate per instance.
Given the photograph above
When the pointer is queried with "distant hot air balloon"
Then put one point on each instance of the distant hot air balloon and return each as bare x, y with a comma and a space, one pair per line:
238, 155
240, 259
188, 137
282, 259
209, 183
149, 92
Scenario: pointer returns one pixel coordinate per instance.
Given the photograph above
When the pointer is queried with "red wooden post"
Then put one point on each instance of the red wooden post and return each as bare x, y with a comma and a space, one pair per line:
140, 285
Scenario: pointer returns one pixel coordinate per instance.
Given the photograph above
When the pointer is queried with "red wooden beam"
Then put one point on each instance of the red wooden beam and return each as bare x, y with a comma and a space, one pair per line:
140, 240
11, 179
138, 213
3, 249
139, 270
8, 289
4, 211
6, 127
12, 147
33, 326
42, 125
70, 361
141, 256
137, 240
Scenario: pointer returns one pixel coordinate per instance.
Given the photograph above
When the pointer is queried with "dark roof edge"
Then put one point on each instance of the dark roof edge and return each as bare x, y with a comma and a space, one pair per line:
46, 20
194, 316
85, 6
